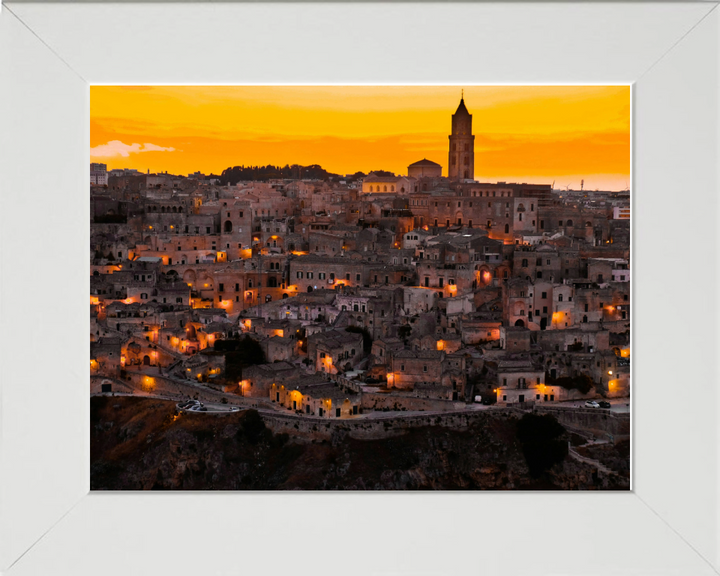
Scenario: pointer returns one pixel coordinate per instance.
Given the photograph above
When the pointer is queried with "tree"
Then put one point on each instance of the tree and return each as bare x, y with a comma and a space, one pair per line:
367, 339
581, 382
539, 437
239, 354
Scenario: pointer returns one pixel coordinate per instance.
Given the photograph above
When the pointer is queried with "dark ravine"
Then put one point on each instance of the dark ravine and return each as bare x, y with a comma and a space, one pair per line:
143, 444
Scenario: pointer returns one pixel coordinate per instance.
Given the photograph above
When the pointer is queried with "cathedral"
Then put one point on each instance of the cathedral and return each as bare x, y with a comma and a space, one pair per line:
461, 153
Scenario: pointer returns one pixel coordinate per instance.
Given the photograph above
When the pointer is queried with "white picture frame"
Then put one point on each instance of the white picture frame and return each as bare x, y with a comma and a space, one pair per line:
49, 522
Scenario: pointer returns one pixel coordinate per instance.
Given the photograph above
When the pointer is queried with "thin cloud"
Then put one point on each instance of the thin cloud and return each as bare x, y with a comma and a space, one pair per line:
118, 148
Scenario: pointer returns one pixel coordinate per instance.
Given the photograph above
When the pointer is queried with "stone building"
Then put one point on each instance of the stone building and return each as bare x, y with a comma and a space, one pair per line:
335, 350
423, 168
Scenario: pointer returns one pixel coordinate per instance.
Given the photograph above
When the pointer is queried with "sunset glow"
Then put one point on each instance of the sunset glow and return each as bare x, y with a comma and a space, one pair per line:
535, 134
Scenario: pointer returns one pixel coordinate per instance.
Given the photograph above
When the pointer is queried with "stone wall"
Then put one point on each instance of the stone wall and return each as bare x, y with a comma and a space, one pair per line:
378, 401
602, 423
371, 428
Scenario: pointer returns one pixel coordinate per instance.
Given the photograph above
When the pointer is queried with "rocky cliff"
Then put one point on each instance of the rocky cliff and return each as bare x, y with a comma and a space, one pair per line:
143, 444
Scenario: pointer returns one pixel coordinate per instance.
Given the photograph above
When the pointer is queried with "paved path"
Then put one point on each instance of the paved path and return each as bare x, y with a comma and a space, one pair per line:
590, 461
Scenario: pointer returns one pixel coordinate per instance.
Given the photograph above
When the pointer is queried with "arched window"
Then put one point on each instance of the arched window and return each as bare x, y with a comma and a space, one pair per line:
392, 188
507, 228
524, 263
384, 188
228, 226
250, 283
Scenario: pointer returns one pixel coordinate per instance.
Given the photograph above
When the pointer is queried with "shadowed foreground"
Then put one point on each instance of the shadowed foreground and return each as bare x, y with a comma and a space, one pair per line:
142, 444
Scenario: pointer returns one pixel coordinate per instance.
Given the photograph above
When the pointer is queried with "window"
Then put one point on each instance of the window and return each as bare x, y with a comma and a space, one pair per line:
544, 295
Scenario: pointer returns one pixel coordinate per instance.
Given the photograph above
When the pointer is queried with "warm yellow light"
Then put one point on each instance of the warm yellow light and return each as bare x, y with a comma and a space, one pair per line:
440, 344
610, 372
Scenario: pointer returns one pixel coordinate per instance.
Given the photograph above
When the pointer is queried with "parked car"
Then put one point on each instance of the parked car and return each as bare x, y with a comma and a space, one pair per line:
592, 404
604, 404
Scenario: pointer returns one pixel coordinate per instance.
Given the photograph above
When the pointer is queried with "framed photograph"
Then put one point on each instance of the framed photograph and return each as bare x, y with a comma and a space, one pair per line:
70, 502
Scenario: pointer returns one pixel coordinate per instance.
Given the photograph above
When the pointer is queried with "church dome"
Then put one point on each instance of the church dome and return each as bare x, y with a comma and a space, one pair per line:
423, 168
424, 162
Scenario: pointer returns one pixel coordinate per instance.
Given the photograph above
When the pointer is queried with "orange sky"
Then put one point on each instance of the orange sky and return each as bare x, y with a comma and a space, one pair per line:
522, 133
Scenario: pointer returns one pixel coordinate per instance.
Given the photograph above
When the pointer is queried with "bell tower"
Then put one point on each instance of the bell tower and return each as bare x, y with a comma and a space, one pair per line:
461, 159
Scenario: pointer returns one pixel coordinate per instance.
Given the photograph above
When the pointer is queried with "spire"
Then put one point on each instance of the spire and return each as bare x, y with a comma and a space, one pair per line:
461, 108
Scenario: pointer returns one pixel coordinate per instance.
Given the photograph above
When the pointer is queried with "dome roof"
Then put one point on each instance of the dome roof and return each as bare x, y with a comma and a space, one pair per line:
424, 162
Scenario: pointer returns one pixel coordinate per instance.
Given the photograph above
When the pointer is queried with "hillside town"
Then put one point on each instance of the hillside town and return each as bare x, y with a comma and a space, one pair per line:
349, 295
